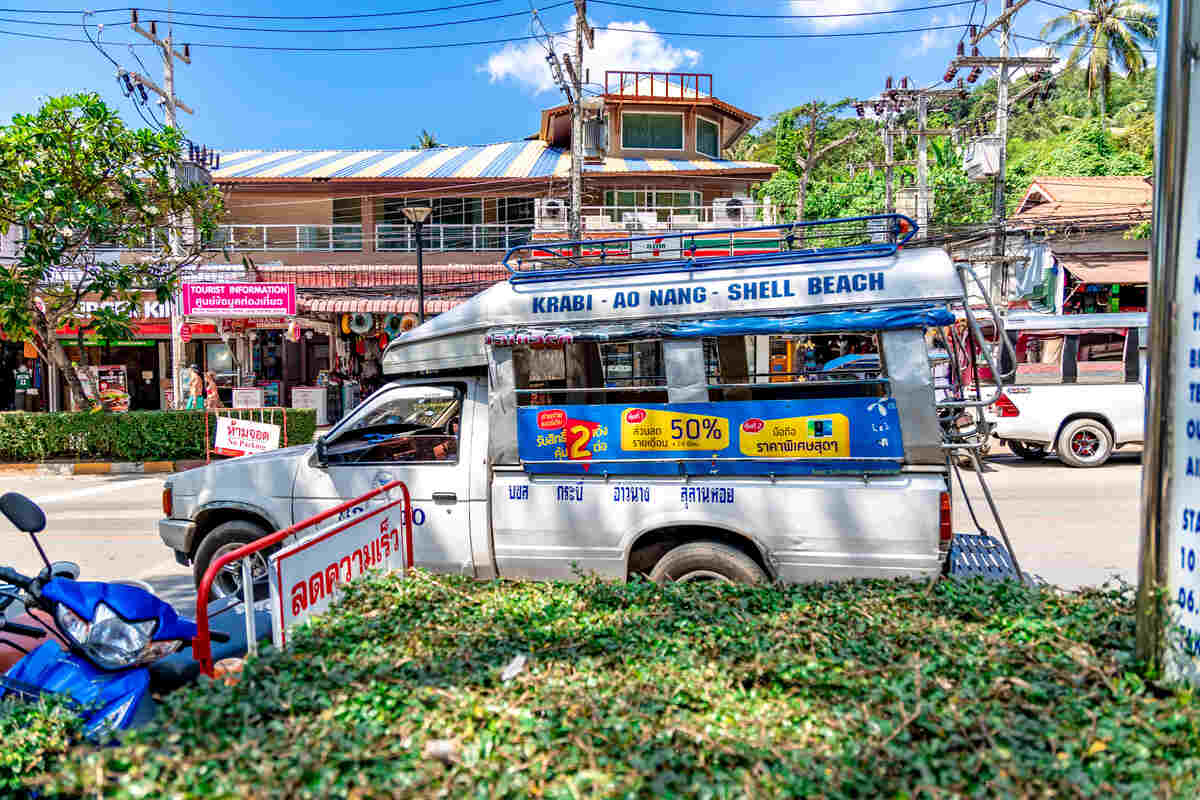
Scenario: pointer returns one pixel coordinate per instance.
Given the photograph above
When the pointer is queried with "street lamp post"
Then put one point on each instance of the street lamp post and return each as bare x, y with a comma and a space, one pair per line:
417, 215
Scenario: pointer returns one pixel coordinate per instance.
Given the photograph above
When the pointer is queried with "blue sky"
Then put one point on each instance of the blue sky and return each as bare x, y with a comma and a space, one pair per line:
469, 95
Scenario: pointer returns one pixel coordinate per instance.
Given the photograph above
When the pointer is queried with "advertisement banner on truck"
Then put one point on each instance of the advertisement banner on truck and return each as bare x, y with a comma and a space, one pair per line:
859, 434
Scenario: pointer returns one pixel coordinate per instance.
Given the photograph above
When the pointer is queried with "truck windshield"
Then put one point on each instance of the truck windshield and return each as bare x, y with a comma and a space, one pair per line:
404, 407
404, 423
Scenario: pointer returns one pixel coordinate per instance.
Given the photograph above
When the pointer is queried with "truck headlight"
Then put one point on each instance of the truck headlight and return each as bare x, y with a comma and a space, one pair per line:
111, 642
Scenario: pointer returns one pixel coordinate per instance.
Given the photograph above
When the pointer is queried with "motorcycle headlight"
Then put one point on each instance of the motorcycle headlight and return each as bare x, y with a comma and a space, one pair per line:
111, 642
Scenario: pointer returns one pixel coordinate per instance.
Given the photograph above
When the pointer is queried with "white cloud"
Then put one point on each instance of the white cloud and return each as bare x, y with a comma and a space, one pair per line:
526, 63
929, 40
842, 7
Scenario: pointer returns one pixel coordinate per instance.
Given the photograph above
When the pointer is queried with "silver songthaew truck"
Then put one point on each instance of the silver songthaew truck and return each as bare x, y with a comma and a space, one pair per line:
616, 409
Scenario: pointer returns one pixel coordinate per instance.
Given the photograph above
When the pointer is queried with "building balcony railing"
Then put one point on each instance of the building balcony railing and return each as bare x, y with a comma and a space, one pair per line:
728, 214
390, 238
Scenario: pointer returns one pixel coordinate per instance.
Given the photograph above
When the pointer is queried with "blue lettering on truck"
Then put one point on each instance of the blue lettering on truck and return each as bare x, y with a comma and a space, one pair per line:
839, 284
559, 304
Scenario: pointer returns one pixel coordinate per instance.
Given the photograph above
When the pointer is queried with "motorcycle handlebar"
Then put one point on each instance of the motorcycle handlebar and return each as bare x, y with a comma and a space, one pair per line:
10, 575
27, 631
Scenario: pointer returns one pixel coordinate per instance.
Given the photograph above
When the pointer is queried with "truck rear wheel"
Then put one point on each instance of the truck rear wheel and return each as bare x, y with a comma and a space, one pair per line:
706, 561
1084, 442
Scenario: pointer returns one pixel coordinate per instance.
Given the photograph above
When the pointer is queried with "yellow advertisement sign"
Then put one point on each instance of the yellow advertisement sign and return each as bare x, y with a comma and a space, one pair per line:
645, 430
824, 436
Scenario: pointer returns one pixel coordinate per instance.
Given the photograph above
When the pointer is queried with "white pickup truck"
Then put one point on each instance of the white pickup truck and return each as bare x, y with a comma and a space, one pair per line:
1079, 387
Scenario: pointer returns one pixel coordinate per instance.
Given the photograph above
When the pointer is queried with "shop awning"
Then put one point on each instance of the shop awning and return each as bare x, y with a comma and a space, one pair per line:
1107, 267
374, 305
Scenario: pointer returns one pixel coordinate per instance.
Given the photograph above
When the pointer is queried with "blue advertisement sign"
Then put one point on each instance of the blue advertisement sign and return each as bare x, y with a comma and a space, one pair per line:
784, 437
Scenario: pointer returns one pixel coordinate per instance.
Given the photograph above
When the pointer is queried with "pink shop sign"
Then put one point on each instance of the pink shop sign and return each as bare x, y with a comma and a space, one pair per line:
239, 299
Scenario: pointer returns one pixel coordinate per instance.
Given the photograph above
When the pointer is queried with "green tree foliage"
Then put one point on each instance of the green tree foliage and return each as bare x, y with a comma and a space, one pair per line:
1109, 33
427, 140
78, 182
1058, 136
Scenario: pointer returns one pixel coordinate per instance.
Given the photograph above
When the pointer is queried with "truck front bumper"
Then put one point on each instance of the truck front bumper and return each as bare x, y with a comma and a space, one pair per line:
177, 534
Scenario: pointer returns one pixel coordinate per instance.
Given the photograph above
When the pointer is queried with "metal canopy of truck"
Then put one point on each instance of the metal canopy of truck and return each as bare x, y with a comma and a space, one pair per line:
788, 282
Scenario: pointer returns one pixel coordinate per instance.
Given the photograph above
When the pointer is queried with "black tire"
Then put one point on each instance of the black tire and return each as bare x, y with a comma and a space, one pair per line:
706, 561
1084, 443
224, 538
1030, 451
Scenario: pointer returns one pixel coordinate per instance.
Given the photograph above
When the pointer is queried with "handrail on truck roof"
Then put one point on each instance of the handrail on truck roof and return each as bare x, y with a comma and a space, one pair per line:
591, 258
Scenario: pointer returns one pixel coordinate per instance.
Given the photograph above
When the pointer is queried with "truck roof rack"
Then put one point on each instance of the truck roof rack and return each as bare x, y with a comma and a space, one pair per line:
875, 236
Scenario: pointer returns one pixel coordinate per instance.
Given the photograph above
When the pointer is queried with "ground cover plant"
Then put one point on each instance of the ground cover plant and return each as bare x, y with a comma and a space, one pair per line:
868, 689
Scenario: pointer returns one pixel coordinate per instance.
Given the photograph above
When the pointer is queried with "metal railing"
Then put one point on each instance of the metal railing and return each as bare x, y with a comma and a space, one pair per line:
274, 238
667, 218
202, 644
390, 238
650, 85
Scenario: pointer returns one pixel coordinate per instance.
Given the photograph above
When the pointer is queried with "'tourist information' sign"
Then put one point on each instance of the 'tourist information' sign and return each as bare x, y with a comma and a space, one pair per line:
239, 299
860, 434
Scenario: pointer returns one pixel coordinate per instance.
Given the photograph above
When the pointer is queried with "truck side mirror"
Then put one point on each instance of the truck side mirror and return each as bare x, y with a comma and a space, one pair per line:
322, 455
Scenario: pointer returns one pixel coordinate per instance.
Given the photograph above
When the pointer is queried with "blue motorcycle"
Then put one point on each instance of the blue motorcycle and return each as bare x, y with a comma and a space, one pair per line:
115, 645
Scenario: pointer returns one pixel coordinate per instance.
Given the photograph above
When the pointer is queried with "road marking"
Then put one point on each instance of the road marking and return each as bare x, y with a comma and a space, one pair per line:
115, 486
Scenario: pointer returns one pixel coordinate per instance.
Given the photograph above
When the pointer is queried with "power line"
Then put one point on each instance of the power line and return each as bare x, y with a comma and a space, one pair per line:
512, 39
380, 29
693, 12
853, 34
126, 9
285, 49
1088, 49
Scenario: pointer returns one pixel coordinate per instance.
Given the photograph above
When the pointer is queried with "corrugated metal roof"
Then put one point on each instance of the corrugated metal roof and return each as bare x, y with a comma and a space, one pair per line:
523, 159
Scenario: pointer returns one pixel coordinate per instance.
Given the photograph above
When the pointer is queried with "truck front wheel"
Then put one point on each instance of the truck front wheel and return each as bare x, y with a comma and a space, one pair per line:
706, 561
225, 538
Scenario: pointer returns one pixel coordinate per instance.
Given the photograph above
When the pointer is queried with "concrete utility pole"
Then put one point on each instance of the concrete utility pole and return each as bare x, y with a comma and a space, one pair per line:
575, 71
1003, 23
922, 166
889, 156
170, 103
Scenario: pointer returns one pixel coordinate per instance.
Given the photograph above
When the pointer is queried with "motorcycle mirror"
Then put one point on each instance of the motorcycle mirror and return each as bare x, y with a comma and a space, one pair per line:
64, 569
26, 516
23, 513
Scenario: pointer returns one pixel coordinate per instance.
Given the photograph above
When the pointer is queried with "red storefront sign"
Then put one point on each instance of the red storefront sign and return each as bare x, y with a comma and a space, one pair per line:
239, 299
146, 329
185, 333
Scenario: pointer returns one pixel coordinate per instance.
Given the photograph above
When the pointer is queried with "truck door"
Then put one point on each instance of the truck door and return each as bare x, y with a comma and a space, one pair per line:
418, 434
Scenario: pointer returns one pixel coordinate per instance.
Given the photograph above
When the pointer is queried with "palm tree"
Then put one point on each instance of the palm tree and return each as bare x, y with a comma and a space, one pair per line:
427, 140
1107, 33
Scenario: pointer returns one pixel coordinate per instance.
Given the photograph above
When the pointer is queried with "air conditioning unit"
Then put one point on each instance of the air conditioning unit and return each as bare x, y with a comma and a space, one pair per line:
553, 211
729, 210
981, 158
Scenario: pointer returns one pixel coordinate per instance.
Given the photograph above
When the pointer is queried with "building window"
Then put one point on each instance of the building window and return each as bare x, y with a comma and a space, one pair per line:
652, 131
446, 210
708, 135
515, 210
663, 202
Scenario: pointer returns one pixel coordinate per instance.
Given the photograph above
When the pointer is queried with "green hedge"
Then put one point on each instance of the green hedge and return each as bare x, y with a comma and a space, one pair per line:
875, 689
132, 436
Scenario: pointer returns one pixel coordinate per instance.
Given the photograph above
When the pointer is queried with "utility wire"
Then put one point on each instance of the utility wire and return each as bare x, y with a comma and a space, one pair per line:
448, 45
694, 12
432, 10
423, 26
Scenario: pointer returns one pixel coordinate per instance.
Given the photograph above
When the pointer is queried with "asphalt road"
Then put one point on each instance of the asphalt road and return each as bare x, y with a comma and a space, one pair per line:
1070, 526
106, 524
